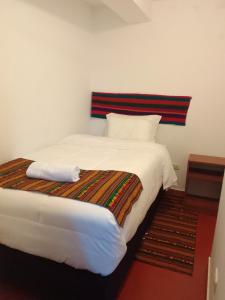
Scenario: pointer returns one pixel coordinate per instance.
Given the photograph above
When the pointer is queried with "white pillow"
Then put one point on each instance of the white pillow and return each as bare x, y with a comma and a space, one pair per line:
142, 128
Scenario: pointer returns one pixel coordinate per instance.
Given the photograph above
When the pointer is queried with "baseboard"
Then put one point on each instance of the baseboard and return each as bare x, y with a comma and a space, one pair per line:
208, 297
178, 188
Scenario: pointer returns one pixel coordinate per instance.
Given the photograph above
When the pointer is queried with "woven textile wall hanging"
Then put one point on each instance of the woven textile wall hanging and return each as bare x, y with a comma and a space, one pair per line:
173, 109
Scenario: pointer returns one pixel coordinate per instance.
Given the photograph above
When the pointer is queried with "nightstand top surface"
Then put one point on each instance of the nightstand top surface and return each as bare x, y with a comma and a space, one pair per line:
206, 159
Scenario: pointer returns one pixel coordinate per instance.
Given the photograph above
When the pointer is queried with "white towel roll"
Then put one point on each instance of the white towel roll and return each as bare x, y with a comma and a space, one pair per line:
54, 172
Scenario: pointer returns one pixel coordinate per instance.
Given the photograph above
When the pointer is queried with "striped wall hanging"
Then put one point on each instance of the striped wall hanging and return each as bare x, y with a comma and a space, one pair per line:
173, 109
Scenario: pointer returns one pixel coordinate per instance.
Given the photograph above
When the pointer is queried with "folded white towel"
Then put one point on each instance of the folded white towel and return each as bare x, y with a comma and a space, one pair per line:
54, 172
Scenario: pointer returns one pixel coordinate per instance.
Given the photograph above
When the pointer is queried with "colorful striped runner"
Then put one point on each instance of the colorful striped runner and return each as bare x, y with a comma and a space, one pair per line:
169, 242
114, 190
173, 109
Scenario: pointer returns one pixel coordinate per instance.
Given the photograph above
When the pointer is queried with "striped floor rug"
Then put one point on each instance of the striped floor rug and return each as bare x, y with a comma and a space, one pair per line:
169, 242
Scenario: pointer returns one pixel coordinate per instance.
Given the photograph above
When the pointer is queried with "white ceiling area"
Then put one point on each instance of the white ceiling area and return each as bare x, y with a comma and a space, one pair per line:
138, 11
131, 11
94, 2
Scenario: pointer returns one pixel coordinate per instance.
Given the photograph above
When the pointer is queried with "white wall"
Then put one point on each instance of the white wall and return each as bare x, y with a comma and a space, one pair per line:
47, 51
217, 256
180, 51
3, 70
44, 73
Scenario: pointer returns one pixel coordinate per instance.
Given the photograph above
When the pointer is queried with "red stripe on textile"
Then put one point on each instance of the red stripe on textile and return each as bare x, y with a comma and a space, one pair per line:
177, 120
139, 109
142, 101
98, 112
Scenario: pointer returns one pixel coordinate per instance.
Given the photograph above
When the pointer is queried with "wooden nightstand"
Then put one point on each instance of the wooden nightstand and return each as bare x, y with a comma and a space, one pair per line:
204, 171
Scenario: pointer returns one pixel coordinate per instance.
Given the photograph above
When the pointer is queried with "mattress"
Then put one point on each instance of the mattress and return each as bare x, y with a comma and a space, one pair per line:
84, 235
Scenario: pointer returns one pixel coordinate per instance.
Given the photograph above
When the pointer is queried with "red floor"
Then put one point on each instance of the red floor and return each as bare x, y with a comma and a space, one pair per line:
146, 282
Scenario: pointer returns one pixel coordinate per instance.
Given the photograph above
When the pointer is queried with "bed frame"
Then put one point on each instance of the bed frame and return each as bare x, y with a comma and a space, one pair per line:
50, 280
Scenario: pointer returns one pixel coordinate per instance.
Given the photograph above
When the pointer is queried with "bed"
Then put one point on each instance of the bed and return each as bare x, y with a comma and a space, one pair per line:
82, 235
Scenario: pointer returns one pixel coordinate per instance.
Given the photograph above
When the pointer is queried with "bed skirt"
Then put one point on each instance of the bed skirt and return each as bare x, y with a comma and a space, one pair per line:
46, 279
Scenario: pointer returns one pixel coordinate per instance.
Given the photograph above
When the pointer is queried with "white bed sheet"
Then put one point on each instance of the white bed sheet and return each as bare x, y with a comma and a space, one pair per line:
83, 235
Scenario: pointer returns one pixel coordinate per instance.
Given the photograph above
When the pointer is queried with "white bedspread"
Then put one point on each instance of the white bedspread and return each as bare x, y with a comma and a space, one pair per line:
83, 235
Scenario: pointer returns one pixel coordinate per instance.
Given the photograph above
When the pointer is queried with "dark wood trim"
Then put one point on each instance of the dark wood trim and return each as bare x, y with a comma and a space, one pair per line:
204, 169
207, 160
